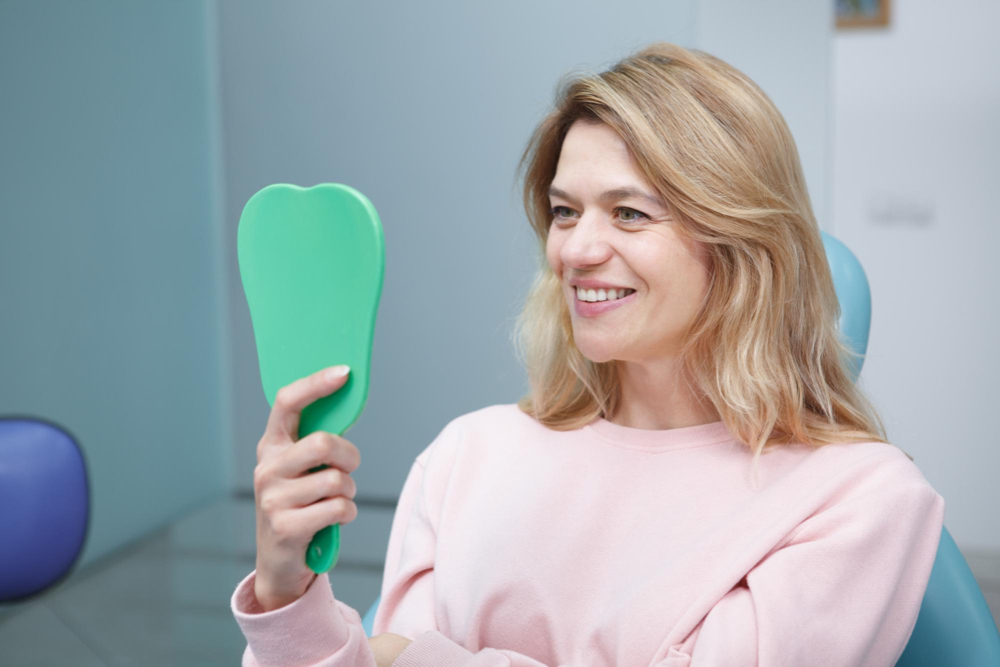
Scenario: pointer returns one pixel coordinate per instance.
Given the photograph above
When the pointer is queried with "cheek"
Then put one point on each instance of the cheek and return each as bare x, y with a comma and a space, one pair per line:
552, 256
698, 280
676, 277
694, 270
692, 279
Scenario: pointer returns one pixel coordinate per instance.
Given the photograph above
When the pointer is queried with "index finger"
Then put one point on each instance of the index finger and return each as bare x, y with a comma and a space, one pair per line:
283, 423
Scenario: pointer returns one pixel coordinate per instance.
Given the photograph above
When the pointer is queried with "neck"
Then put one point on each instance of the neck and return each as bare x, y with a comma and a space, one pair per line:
659, 396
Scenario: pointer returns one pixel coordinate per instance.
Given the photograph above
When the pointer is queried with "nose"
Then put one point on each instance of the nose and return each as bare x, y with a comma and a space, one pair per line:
586, 245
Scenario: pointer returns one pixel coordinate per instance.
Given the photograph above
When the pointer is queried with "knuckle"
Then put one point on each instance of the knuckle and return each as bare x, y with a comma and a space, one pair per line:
342, 484
321, 445
344, 508
260, 478
281, 527
268, 504
350, 455
283, 397
335, 450
330, 441
350, 487
308, 445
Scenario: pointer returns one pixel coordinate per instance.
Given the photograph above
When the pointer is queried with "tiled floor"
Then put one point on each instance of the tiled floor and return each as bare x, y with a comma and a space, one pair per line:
165, 602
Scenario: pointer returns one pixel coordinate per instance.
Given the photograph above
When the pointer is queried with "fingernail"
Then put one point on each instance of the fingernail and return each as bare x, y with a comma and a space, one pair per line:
337, 372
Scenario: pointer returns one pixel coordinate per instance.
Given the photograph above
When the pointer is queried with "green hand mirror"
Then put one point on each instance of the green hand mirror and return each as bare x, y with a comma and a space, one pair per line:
312, 262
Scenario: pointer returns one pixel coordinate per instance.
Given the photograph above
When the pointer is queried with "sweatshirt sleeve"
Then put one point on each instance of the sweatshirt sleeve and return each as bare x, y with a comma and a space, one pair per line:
407, 606
844, 589
316, 630
320, 631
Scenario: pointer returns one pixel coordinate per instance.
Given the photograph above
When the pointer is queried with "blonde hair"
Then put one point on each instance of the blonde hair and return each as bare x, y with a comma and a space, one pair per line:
765, 348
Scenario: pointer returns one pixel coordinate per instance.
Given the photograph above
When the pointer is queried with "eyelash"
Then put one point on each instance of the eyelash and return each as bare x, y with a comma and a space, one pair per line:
552, 211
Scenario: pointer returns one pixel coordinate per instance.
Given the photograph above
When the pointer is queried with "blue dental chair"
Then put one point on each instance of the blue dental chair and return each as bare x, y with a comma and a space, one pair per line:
954, 626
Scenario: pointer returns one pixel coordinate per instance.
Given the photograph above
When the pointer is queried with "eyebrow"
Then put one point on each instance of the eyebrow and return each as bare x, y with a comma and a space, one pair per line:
613, 195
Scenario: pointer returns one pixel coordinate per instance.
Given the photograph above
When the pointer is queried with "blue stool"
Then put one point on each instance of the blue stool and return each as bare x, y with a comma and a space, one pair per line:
954, 625
44, 506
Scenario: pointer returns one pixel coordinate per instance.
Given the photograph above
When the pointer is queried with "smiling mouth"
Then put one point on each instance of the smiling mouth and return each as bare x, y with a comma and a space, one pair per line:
628, 292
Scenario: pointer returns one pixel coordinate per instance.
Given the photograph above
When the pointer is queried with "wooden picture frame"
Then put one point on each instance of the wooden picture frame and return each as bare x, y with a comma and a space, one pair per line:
862, 13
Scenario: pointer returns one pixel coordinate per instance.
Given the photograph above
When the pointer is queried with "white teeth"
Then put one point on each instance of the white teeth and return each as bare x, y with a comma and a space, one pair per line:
601, 295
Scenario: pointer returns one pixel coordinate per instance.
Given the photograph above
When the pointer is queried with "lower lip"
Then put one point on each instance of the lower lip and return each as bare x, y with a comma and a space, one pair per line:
588, 309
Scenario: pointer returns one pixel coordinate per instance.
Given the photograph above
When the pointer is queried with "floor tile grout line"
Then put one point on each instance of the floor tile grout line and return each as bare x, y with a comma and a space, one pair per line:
82, 636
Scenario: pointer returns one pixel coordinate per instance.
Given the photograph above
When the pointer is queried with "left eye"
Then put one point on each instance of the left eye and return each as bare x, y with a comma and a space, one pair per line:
636, 215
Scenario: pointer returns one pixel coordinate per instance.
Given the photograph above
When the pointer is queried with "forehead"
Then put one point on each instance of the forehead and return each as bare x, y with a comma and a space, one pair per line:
594, 157
594, 145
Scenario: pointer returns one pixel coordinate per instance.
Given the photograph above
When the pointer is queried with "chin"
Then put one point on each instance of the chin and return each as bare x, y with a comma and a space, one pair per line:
598, 354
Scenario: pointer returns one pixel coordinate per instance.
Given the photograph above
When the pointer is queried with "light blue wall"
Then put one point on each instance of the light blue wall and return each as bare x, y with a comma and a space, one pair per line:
109, 273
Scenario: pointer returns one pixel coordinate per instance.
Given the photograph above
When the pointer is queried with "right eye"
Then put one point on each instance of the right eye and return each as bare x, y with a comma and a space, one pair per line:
554, 211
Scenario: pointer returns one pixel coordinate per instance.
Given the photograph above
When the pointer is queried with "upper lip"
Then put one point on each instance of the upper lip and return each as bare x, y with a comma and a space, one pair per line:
594, 284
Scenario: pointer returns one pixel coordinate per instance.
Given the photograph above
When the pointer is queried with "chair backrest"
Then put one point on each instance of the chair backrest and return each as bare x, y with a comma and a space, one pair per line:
954, 625
854, 295
369, 617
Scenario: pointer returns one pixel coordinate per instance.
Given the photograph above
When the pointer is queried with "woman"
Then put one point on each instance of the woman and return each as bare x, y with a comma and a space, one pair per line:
681, 333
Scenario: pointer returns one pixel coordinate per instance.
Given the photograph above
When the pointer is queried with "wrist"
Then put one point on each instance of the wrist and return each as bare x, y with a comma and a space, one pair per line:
270, 600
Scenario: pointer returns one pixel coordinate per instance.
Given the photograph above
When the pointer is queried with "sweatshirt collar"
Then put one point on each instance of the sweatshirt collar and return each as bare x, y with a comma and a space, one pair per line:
660, 440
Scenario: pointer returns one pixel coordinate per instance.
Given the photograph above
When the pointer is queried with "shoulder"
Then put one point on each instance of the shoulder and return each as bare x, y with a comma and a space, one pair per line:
870, 470
870, 494
462, 444
502, 415
501, 420
881, 456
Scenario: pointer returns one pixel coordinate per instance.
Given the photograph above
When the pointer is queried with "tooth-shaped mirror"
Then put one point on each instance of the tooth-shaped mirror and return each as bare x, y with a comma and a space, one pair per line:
312, 262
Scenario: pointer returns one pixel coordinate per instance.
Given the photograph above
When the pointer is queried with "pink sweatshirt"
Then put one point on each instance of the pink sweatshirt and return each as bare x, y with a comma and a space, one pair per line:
514, 544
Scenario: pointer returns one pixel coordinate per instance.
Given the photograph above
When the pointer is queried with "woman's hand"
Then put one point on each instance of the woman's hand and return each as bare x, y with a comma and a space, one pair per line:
387, 648
292, 503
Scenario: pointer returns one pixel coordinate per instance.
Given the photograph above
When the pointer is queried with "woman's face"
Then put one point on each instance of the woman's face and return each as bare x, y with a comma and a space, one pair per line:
623, 240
